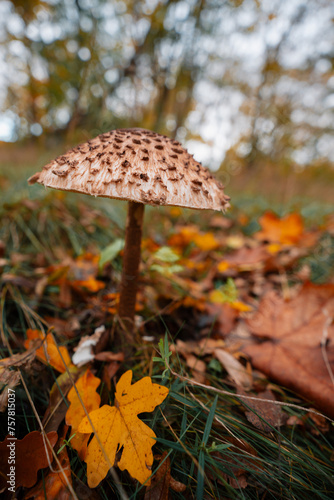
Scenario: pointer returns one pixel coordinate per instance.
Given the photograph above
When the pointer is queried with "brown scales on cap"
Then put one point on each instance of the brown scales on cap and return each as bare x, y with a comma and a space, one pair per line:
135, 165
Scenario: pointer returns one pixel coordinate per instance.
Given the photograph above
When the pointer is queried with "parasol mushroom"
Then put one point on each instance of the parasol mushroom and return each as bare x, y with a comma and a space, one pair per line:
142, 167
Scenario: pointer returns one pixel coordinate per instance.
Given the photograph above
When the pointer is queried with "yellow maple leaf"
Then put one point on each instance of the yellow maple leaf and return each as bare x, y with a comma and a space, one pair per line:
118, 426
49, 351
86, 386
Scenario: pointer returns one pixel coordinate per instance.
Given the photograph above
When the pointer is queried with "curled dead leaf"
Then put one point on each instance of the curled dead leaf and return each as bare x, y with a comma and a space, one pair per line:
238, 373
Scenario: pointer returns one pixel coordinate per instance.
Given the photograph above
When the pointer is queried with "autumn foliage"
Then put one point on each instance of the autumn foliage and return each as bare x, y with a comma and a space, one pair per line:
248, 312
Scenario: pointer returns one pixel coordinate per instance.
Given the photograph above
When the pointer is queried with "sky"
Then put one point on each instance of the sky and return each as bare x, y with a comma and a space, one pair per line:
242, 38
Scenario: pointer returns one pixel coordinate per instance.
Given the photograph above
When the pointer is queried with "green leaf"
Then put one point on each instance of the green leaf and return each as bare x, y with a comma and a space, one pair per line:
166, 271
166, 254
110, 252
215, 365
229, 292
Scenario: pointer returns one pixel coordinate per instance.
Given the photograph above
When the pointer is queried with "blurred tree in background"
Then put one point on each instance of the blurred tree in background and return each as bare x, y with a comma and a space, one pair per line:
241, 82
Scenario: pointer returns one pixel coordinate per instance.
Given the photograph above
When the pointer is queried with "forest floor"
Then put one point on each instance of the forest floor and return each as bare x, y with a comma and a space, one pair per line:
234, 322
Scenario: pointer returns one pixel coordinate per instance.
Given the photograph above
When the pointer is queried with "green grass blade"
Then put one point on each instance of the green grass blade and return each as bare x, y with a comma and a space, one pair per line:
200, 476
209, 422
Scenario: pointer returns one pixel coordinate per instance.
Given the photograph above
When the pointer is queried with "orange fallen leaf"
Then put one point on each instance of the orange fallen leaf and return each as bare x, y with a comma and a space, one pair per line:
118, 426
30, 454
288, 230
79, 273
223, 266
91, 284
206, 242
241, 306
48, 352
86, 386
190, 234
198, 303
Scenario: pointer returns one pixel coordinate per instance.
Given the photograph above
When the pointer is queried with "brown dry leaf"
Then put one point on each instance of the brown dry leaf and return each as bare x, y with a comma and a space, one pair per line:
109, 356
177, 485
40, 286
54, 485
83, 492
270, 412
19, 360
295, 331
57, 408
248, 457
162, 481
226, 317
208, 346
197, 366
31, 454
234, 368
221, 222
321, 424
65, 294
64, 328
109, 371
159, 487
8, 380
247, 259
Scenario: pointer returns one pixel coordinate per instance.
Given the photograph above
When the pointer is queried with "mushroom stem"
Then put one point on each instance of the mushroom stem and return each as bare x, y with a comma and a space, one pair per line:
131, 260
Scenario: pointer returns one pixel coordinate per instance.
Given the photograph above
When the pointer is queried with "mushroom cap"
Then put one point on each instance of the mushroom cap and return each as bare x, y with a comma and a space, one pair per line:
135, 165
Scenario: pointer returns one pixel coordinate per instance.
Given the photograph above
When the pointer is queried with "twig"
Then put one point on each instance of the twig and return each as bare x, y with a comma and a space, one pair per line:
215, 418
241, 396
